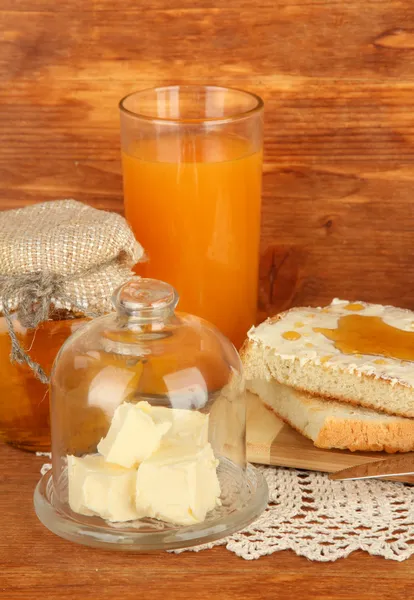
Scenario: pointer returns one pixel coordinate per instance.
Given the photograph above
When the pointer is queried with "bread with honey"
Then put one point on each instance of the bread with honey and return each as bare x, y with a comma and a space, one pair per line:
331, 424
356, 353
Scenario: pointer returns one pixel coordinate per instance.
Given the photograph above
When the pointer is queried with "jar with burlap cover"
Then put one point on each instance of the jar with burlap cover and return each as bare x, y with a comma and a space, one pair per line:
56, 258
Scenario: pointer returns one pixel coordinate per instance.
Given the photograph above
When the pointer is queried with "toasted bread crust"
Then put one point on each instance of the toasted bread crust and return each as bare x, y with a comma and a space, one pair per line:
363, 436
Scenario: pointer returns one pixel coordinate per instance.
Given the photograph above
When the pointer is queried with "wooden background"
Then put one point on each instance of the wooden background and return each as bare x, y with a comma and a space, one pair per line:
337, 80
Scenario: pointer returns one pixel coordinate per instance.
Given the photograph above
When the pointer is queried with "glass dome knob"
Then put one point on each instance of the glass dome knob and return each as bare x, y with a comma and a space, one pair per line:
145, 298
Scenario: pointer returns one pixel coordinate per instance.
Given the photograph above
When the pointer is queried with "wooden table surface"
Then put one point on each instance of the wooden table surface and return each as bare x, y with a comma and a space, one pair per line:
37, 565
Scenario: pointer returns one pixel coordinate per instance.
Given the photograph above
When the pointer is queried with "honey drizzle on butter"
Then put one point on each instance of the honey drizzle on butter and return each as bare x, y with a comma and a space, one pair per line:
354, 306
360, 334
291, 336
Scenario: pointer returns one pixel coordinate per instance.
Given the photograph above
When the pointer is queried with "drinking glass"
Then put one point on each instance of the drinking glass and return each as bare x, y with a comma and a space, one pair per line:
192, 170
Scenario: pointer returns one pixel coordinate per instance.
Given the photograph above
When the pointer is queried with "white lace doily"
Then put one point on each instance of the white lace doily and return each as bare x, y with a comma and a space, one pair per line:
324, 520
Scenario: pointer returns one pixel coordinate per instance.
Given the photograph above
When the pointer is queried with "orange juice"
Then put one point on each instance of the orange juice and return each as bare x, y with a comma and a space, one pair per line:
194, 205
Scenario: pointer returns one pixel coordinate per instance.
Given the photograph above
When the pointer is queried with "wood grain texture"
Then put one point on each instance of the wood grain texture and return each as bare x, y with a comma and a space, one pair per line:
337, 79
34, 563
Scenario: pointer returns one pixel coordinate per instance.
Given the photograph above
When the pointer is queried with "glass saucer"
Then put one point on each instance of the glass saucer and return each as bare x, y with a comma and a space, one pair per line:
245, 499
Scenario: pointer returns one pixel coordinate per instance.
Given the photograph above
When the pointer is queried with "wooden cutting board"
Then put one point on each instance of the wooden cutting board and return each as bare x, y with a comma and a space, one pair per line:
272, 442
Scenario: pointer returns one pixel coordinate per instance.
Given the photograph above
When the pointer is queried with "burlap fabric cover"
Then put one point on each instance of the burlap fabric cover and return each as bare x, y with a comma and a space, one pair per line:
62, 254
91, 250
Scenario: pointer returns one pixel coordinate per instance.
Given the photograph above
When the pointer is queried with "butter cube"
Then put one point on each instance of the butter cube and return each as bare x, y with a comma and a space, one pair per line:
132, 437
187, 426
99, 488
178, 485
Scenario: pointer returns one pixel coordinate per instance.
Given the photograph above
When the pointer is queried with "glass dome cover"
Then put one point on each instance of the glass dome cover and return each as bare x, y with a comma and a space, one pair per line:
148, 421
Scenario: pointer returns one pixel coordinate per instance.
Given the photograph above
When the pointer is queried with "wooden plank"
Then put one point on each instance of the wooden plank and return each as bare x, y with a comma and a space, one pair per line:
37, 564
337, 79
263, 428
206, 39
337, 205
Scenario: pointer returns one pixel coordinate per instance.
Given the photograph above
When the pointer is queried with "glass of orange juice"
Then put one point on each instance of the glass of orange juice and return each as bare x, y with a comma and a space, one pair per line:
192, 169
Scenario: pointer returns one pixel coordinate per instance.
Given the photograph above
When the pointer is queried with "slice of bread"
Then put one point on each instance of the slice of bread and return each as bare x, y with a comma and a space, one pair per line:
331, 424
353, 352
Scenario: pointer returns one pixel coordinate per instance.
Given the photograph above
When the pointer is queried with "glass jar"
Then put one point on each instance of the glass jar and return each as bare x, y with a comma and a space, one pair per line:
24, 399
148, 430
